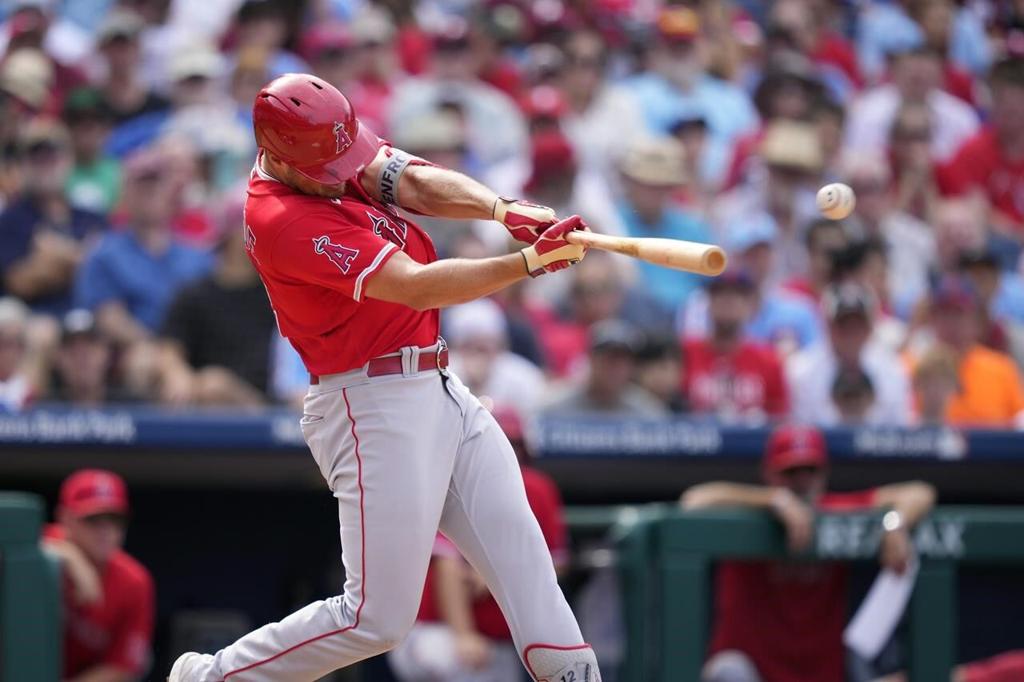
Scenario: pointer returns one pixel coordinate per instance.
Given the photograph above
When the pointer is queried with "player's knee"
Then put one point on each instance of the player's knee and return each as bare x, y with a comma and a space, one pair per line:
389, 632
730, 666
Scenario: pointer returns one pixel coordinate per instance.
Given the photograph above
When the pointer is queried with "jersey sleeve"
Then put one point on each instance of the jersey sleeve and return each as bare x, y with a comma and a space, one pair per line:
321, 249
131, 639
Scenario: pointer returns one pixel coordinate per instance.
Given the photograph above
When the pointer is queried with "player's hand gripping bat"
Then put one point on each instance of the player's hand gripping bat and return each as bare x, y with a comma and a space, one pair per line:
703, 259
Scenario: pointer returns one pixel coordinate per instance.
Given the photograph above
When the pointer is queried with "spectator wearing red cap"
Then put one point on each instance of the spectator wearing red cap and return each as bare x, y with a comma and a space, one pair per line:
108, 595
991, 393
727, 374
460, 633
783, 621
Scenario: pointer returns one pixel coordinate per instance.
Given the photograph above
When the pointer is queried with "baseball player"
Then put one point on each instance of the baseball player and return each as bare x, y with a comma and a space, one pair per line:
401, 443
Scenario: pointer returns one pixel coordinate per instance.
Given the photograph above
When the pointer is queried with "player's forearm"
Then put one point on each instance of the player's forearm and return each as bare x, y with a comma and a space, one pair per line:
728, 495
442, 192
117, 323
912, 501
446, 282
453, 598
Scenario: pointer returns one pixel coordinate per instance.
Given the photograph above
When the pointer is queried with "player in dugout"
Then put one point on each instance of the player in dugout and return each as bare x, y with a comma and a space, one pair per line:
108, 595
783, 621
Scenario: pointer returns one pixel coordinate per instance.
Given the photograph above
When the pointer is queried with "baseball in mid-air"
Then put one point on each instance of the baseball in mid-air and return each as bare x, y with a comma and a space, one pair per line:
836, 201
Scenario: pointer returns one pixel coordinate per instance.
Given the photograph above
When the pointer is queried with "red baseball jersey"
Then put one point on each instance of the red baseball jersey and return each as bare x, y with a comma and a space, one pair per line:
747, 382
546, 503
316, 255
118, 630
981, 164
787, 616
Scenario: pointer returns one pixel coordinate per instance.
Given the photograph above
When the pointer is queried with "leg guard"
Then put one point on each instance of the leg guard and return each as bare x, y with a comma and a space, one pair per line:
548, 663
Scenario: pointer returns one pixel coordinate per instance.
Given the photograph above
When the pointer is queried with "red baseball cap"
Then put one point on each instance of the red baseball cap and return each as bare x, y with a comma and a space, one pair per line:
795, 446
88, 492
552, 156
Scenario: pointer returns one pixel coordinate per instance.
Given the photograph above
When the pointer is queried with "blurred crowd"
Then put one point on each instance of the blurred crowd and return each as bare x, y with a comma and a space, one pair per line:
126, 143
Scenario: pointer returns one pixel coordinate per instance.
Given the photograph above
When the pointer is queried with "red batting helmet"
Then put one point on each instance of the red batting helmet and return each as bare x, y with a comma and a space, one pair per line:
308, 124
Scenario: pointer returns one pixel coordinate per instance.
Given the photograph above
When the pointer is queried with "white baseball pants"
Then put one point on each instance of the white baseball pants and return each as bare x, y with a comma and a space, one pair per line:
406, 455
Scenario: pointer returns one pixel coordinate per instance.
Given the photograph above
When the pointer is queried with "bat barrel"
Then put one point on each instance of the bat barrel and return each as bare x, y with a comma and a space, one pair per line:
714, 261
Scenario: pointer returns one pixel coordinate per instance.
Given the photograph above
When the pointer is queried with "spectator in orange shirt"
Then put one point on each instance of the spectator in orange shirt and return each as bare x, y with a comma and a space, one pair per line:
990, 386
108, 595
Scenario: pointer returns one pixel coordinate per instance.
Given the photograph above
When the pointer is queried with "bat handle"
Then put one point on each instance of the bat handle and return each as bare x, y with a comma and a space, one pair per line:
581, 238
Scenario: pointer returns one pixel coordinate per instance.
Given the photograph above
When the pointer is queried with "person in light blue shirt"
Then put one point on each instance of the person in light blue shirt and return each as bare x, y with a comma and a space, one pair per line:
652, 170
783, 320
676, 85
130, 277
885, 28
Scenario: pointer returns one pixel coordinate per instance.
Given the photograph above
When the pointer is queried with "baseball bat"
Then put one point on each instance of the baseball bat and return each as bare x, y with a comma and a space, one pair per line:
702, 259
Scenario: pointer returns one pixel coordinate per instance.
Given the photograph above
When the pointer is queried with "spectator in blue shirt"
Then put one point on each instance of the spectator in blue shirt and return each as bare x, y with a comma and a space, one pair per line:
41, 236
652, 171
782, 319
677, 84
129, 279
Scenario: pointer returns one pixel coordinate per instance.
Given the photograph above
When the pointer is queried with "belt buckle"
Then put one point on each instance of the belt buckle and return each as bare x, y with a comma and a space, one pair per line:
442, 346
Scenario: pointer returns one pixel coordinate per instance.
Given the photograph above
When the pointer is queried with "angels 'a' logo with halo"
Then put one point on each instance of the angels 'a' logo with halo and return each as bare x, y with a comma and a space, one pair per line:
342, 140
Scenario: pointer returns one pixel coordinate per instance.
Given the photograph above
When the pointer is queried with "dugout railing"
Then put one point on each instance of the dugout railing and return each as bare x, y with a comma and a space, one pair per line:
666, 558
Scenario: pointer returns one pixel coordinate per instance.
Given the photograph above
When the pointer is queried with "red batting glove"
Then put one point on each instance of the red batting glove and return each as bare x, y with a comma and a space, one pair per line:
523, 220
551, 251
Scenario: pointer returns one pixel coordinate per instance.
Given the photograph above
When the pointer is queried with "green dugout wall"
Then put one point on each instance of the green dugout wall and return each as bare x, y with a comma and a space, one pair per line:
29, 595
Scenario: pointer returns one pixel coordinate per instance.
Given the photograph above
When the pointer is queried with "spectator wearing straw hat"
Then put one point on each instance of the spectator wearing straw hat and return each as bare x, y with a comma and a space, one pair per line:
652, 170
792, 158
